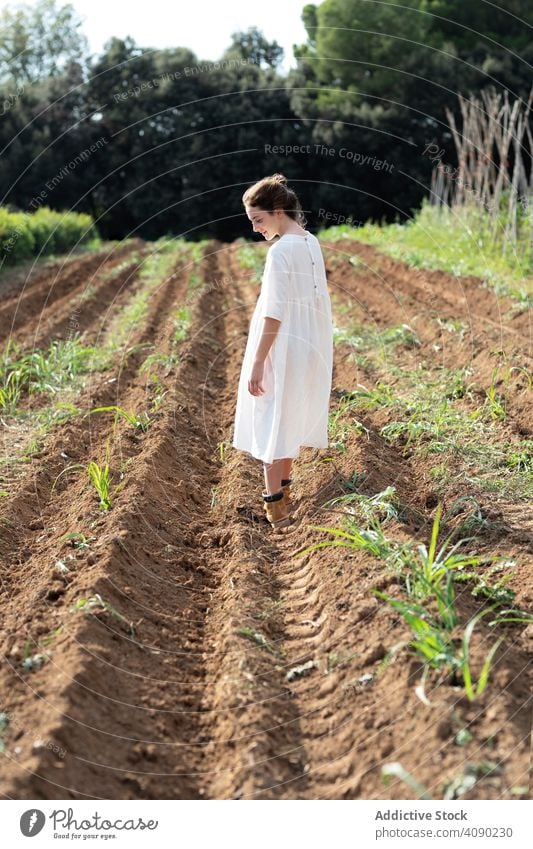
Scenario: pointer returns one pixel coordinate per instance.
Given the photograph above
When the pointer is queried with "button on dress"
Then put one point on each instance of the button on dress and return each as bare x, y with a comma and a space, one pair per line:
293, 411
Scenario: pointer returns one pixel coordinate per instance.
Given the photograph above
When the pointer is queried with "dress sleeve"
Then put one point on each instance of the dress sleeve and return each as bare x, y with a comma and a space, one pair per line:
275, 286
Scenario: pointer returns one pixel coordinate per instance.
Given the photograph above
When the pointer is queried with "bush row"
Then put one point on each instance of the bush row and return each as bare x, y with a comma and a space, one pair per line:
27, 234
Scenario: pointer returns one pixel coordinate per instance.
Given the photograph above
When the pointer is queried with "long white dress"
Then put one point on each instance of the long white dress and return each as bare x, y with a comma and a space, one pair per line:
293, 411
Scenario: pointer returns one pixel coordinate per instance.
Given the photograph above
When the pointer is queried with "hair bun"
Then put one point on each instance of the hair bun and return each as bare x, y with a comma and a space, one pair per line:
271, 193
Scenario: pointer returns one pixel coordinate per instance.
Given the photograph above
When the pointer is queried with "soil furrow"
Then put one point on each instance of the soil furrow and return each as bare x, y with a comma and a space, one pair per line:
26, 509
40, 294
89, 314
341, 748
440, 293
135, 666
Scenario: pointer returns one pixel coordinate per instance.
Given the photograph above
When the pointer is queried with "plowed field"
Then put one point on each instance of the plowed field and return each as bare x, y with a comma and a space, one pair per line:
172, 630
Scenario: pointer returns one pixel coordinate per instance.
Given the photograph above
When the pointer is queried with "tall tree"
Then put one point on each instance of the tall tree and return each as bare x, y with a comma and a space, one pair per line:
251, 44
37, 41
378, 77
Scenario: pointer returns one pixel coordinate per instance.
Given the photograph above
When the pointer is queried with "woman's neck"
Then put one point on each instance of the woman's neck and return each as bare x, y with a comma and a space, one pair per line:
296, 230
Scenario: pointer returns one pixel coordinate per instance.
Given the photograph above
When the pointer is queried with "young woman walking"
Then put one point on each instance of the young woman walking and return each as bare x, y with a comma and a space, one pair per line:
285, 382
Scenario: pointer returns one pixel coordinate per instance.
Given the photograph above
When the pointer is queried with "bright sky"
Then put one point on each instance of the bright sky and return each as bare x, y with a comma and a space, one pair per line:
204, 27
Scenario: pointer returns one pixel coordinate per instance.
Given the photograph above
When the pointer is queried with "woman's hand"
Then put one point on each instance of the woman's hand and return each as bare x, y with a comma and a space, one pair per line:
255, 381
268, 336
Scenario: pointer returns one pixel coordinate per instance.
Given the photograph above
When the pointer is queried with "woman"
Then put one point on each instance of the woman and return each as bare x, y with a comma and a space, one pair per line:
285, 381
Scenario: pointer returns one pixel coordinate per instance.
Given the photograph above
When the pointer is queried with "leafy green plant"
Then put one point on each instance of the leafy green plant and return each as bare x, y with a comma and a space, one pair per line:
381, 395
344, 336
497, 593
95, 604
363, 337
182, 321
338, 427
101, 480
429, 566
439, 424
463, 737
42, 233
35, 661
41, 370
468, 778
4, 725
371, 539
141, 422
58, 366
494, 405
222, 446
353, 482
396, 770
155, 268
473, 691
45, 641
400, 334
474, 522
512, 615
453, 325
11, 385
76, 539
258, 638
159, 393
433, 641
381, 506
338, 659
251, 256
521, 460
441, 592
167, 360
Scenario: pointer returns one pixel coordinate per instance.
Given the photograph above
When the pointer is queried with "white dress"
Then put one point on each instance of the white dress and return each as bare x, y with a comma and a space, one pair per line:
293, 411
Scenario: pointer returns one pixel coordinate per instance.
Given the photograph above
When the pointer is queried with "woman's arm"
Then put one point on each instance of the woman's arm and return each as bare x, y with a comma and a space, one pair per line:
270, 329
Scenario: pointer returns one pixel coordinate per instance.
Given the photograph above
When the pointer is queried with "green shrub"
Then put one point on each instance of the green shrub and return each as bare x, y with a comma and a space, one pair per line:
41, 233
16, 239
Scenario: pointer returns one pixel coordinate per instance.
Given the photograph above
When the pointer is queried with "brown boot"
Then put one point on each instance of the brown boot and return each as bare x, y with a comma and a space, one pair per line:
286, 489
276, 509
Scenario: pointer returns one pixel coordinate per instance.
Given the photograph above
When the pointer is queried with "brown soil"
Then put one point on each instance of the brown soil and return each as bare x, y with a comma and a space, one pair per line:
170, 700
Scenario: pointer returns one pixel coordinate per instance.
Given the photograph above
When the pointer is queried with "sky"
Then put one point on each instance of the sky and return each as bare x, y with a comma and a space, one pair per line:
204, 27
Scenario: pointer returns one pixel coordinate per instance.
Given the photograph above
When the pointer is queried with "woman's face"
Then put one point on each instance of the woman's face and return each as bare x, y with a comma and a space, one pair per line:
266, 223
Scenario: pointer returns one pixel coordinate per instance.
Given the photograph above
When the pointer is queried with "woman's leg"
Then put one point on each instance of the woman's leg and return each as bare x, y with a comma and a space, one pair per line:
275, 472
273, 476
286, 468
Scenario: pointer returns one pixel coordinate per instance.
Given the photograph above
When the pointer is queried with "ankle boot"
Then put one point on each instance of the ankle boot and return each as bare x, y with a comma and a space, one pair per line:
276, 509
286, 489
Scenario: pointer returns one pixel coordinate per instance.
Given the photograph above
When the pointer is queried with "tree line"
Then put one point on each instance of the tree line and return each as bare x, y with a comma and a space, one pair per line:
153, 142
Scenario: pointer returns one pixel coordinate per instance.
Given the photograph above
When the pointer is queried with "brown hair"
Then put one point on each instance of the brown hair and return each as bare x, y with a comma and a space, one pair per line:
272, 193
